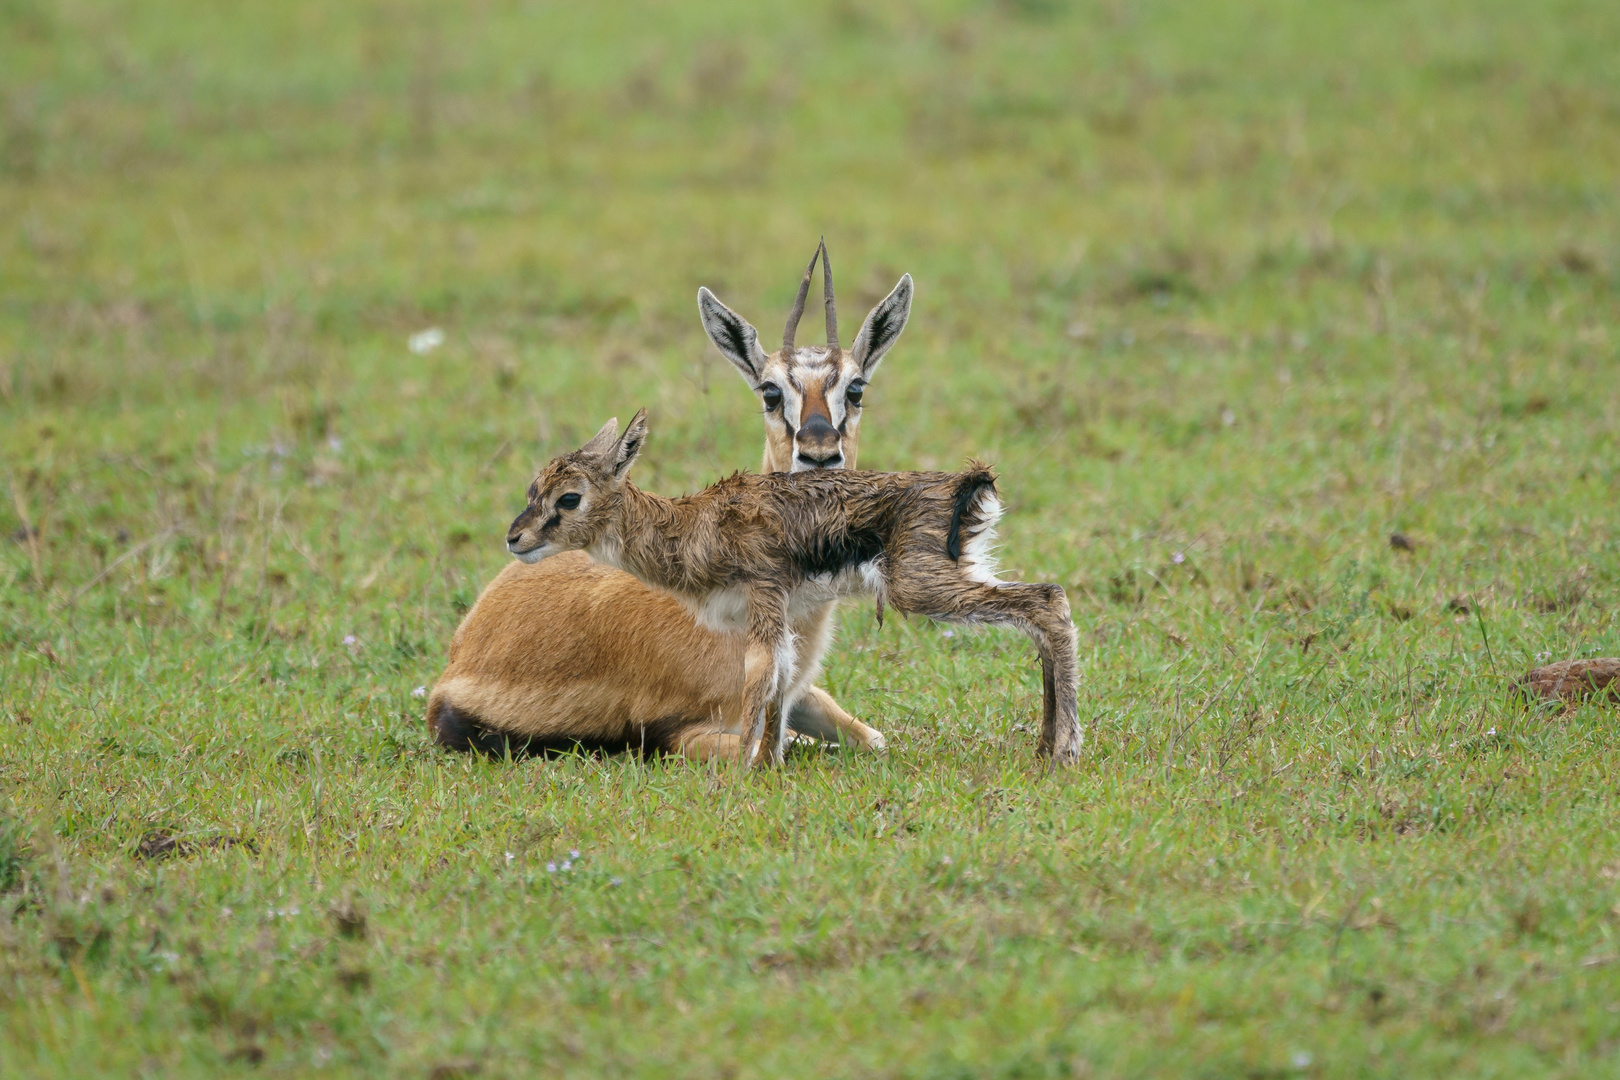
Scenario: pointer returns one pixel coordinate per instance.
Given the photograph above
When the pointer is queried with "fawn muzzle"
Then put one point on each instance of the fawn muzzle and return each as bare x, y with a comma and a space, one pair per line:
523, 538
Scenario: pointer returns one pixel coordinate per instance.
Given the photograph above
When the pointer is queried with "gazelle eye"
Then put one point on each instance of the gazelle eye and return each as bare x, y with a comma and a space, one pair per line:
853, 394
569, 501
772, 395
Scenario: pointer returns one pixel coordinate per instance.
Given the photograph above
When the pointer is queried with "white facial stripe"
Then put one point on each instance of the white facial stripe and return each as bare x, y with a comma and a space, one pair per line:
792, 406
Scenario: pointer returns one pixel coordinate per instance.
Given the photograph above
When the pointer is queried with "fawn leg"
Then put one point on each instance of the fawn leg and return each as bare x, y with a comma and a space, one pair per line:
1041, 610
763, 662
1060, 674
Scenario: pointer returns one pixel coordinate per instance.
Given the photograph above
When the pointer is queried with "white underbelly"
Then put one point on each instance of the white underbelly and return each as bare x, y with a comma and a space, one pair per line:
726, 610
819, 590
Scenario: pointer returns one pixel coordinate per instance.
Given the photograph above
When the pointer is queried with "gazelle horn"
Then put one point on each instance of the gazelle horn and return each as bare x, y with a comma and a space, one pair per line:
798, 306
827, 291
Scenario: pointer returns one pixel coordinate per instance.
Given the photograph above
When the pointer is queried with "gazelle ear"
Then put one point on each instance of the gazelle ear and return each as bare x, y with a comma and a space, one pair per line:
630, 445
882, 328
604, 440
732, 335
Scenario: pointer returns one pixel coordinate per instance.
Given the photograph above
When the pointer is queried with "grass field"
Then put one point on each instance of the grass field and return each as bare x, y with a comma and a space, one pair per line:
1231, 292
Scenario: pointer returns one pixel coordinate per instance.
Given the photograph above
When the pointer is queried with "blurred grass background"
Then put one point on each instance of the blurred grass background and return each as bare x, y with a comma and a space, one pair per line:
1231, 292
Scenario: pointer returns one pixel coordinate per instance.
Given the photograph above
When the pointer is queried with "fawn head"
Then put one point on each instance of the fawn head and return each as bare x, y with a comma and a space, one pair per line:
812, 393
572, 501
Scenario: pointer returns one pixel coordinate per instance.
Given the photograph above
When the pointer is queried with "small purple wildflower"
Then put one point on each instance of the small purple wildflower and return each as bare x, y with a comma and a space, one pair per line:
1179, 557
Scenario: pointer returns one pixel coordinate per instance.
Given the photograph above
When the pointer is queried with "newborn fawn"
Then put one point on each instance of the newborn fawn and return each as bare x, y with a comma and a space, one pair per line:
751, 552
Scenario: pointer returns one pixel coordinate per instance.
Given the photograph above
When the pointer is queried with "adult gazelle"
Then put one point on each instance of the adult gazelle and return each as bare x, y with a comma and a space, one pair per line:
569, 652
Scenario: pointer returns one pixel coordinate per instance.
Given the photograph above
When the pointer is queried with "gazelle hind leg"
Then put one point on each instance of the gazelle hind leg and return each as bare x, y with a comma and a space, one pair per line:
710, 746
1061, 737
1040, 610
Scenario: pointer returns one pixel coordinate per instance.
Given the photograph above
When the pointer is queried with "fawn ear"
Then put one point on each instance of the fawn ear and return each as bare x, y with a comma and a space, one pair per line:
882, 328
603, 441
732, 335
630, 445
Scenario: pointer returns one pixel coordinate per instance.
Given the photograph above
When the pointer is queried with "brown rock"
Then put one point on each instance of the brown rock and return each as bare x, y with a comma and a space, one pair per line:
1572, 680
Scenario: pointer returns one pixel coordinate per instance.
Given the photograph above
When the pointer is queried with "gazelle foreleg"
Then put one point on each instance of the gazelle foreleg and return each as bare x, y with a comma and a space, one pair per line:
767, 668
811, 710
818, 715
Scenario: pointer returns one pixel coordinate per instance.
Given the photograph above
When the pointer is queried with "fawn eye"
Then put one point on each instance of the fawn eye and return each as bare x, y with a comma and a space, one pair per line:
772, 395
569, 501
853, 394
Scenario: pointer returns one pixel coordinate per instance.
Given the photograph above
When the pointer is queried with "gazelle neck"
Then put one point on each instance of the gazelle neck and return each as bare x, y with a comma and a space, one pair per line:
641, 535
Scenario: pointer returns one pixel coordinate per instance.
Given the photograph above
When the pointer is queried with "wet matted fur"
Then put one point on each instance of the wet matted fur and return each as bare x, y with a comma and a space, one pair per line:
751, 552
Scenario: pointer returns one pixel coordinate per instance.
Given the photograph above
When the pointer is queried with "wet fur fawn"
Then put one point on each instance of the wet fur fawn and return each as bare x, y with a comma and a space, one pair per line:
571, 653
753, 550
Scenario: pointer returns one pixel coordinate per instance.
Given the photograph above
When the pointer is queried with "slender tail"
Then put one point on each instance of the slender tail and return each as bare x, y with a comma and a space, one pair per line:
968, 512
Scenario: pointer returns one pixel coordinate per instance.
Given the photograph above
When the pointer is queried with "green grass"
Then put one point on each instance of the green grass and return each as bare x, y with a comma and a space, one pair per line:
1230, 292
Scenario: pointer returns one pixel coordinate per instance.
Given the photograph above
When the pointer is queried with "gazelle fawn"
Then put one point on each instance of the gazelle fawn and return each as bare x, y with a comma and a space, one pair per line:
571, 653
752, 552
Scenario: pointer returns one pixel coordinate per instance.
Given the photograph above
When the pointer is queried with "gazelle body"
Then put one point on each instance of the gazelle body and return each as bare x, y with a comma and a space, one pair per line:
753, 553
570, 652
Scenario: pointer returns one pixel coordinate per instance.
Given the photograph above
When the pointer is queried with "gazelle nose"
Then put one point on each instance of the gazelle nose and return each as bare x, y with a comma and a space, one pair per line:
818, 443
832, 460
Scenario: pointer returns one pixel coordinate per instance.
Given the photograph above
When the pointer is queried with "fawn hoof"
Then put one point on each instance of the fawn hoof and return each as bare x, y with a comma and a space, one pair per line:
1066, 752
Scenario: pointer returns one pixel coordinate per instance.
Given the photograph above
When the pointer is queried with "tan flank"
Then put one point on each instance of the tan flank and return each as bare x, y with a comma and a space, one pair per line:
568, 652
752, 553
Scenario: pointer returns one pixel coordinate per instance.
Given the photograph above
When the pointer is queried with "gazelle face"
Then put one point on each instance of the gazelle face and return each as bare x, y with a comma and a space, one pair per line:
810, 394
812, 406
571, 503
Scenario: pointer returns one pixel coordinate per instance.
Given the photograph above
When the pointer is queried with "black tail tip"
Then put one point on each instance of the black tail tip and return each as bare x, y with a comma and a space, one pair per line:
975, 478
